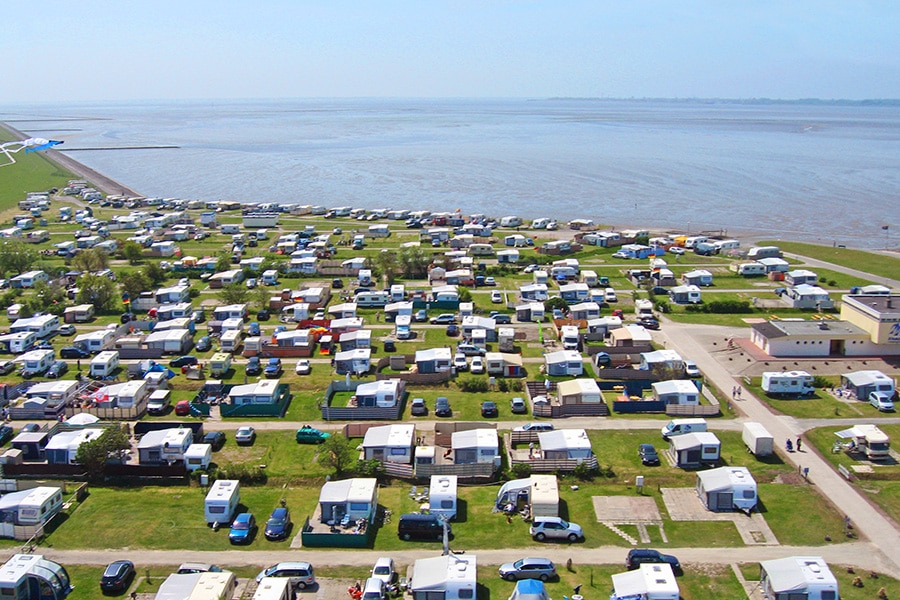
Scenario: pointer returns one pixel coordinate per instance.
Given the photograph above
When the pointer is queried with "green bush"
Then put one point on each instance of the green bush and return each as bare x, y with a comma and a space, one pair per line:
472, 385
521, 470
246, 474
515, 385
502, 385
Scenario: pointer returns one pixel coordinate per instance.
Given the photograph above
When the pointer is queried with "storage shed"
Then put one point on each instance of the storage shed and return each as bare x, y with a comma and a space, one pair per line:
727, 489
579, 391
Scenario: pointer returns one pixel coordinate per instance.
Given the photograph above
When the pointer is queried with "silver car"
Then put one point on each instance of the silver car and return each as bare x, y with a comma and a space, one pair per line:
546, 528
529, 568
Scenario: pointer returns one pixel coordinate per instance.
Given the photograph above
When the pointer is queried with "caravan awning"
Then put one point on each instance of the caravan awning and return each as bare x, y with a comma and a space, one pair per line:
845, 433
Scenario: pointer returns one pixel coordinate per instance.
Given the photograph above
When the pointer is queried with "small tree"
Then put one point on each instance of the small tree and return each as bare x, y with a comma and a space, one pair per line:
97, 290
223, 263
16, 256
90, 260
338, 453
132, 252
134, 283
233, 293
156, 273
108, 446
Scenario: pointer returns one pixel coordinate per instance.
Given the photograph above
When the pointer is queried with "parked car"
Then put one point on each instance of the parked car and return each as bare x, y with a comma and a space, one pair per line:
691, 369
442, 407
529, 568
676, 250
496, 297
196, 567
302, 574
45, 345
531, 268
659, 290
58, 369
443, 319
417, 407
311, 435
477, 367
500, 318
648, 454
555, 528
198, 316
7, 367
638, 556
517, 406
245, 436
882, 401
74, 352
389, 346
250, 283
6, 433
216, 439
420, 316
621, 255
182, 408
183, 361
649, 323
279, 524
253, 329
304, 367
273, 367
242, 529
203, 344
254, 367
117, 576
452, 330
263, 315
66, 329
535, 427
385, 570
489, 409
470, 350
460, 362
489, 281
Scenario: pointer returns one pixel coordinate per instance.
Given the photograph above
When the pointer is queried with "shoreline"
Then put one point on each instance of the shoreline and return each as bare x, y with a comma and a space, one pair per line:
103, 183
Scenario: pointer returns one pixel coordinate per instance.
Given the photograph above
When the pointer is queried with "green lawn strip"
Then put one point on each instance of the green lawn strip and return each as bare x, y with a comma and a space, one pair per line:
822, 405
870, 262
798, 516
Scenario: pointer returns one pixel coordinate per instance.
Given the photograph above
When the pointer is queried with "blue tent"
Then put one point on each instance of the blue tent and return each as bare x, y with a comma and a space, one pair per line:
529, 589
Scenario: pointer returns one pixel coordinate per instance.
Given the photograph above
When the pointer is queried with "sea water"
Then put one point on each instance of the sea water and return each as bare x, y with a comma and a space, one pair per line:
823, 172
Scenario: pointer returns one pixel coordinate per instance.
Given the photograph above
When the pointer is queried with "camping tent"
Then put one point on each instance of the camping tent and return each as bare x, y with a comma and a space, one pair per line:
82, 419
529, 589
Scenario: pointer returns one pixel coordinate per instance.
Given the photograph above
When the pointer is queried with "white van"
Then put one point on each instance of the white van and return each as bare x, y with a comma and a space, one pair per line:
609, 295
569, 337
104, 364
682, 426
222, 501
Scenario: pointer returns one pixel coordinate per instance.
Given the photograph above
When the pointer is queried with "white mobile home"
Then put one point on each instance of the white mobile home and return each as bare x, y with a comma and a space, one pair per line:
34, 506
264, 391
475, 446
442, 496
29, 279
35, 362
565, 444
222, 501
693, 450
862, 383
804, 577
164, 446
449, 577
32, 577
727, 489
42, 326
750, 269
665, 359
390, 443
19, 342
352, 499
231, 340
676, 391
757, 252
95, 341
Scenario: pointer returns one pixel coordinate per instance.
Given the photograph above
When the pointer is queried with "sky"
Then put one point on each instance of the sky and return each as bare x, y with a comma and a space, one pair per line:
99, 50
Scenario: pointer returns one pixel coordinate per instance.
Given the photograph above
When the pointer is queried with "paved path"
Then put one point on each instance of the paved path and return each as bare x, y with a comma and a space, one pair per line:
867, 519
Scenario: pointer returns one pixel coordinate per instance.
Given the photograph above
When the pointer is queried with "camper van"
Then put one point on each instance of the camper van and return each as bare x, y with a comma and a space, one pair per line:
569, 337
403, 330
372, 299
104, 364
791, 384
643, 307
682, 426
222, 501
442, 496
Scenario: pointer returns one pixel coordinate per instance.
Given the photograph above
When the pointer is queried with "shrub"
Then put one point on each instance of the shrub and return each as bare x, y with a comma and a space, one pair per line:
583, 472
521, 470
472, 385
369, 468
515, 385
821, 382
246, 474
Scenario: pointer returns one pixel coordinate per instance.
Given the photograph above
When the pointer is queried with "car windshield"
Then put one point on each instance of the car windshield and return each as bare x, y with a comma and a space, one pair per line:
276, 522
271, 570
382, 570
239, 525
518, 564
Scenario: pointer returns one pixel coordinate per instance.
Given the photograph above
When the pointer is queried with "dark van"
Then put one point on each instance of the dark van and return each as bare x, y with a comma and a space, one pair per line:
423, 527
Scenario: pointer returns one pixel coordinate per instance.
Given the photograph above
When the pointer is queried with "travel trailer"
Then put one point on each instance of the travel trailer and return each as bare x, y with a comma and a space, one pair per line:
442, 496
222, 501
758, 440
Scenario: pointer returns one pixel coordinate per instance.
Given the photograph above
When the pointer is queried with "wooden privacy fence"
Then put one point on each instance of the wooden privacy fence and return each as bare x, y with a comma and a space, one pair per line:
699, 410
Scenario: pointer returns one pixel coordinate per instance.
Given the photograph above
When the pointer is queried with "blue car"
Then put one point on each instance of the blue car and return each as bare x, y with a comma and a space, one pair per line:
279, 524
273, 368
242, 529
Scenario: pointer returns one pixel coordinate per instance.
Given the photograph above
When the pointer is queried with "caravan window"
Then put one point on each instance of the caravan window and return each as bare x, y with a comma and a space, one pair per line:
398, 451
749, 494
358, 506
216, 510
446, 503
465, 594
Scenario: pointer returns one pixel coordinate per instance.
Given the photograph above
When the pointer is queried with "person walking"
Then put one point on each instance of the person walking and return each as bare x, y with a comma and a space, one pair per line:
798, 443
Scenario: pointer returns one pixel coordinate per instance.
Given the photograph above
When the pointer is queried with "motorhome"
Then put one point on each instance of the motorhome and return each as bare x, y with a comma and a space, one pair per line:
790, 384
569, 337
402, 323
643, 307
868, 440
677, 427
222, 501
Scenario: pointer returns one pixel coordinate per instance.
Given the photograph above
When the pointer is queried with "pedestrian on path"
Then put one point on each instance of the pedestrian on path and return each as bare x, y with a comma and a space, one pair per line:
530, 449
733, 392
798, 443
739, 392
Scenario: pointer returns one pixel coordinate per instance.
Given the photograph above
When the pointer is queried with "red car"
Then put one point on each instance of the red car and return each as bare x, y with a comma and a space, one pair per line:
183, 408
